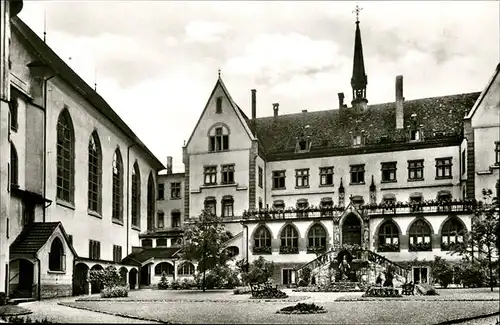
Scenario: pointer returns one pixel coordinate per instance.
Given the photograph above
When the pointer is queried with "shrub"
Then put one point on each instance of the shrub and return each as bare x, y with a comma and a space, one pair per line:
259, 271
471, 274
109, 277
442, 271
302, 308
24, 320
163, 284
175, 285
114, 292
187, 284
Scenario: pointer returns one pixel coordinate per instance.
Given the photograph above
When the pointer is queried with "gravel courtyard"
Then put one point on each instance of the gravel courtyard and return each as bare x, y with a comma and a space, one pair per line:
224, 307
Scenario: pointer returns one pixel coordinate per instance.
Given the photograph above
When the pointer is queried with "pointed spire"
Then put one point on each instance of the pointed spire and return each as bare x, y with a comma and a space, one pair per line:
359, 79
372, 186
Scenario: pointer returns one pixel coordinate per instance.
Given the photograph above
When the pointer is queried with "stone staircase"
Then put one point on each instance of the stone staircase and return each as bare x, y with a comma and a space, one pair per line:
361, 256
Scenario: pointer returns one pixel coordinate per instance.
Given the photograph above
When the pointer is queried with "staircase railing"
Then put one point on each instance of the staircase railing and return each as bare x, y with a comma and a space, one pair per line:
385, 262
317, 262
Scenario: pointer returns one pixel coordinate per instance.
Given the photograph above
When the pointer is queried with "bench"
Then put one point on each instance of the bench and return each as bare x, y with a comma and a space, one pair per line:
408, 289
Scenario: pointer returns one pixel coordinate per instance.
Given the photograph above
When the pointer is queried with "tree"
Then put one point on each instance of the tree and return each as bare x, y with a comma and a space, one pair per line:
483, 239
204, 243
258, 272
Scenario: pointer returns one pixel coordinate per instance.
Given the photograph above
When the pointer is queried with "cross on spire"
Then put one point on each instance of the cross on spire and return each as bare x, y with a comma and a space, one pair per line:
357, 10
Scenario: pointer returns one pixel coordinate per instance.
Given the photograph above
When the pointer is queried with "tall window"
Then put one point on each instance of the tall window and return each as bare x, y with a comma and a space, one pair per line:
415, 135
388, 172
211, 204
443, 168
176, 219
452, 232
415, 202
227, 206
56, 256
136, 196
463, 162
302, 177
94, 250
161, 191
161, 219
278, 179
14, 163
147, 243
289, 240
210, 173
161, 242
117, 253
388, 237
186, 268
117, 186
357, 174
218, 105
151, 202
420, 236
218, 139
164, 267
326, 176
497, 153
316, 238
13, 107
227, 174
95, 178
261, 176
416, 170
175, 190
65, 157
262, 240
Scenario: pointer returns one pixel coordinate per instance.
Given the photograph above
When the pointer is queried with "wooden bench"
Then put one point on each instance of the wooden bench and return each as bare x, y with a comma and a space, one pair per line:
408, 289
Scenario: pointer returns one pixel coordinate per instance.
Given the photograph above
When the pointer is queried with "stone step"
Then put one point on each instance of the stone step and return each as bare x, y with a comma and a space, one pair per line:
15, 301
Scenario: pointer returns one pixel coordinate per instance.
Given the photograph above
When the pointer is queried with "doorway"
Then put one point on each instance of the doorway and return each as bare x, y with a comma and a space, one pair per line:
80, 280
420, 274
146, 275
21, 277
351, 230
287, 276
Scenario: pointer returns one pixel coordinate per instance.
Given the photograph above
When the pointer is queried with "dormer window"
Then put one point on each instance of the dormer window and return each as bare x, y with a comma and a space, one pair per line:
356, 140
218, 139
415, 135
303, 145
218, 105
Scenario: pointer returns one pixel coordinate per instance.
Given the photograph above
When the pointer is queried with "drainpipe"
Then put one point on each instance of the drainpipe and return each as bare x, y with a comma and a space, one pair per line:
45, 81
246, 241
128, 194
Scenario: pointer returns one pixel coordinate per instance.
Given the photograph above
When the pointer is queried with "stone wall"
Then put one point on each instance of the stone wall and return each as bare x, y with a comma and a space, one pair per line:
55, 290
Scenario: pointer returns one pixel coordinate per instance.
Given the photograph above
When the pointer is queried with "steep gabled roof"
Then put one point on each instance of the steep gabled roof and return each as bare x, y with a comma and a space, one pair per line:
156, 252
241, 116
34, 236
441, 119
49, 57
484, 92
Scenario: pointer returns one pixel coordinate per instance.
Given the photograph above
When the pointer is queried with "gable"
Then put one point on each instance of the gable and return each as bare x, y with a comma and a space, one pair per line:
230, 118
486, 111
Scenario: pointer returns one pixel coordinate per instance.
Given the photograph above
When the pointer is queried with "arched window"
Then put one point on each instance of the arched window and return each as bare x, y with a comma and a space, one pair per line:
161, 219
151, 202
388, 237
218, 138
262, 240
117, 186
289, 240
453, 231
95, 178
56, 256
186, 268
420, 236
14, 169
164, 267
136, 196
316, 239
444, 200
65, 157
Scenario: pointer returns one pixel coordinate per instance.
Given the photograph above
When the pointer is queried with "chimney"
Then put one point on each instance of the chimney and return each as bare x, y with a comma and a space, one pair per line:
254, 104
169, 164
341, 100
276, 107
304, 111
399, 102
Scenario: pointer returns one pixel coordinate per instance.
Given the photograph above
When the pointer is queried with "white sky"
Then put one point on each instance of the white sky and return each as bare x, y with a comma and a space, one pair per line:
157, 61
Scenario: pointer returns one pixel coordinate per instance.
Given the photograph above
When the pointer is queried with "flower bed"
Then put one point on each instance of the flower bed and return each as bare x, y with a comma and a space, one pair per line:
333, 287
382, 292
302, 308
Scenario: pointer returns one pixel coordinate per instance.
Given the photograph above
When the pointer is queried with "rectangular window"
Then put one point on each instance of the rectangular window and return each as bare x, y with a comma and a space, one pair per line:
416, 170
175, 190
219, 141
117, 253
94, 249
302, 177
227, 174
147, 243
443, 168
210, 173
463, 162
326, 176
227, 208
211, 205
357, 140
161, 242
278, 179
388, 172
176, 219
357, 174
218, 105
161, 191
161, 219
261, 176
497, 153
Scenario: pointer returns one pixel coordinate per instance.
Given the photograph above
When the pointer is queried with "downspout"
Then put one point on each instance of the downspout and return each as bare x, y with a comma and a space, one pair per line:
128, 194
45, 81
246, 241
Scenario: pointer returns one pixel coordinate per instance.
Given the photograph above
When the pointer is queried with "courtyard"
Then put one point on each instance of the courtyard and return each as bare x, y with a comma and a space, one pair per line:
222, 306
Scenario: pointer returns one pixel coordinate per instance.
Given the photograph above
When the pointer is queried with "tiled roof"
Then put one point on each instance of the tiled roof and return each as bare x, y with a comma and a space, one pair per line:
441, 119
156, 252
48, 56
32, 238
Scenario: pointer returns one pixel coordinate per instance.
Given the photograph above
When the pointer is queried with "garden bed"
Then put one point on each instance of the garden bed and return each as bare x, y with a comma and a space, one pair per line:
302, 308
334, 287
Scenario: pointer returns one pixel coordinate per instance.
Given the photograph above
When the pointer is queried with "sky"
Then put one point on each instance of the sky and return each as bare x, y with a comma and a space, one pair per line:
156, 62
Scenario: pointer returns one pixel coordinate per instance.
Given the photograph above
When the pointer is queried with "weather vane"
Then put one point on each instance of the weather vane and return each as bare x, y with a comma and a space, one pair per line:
357, 10
218, 72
